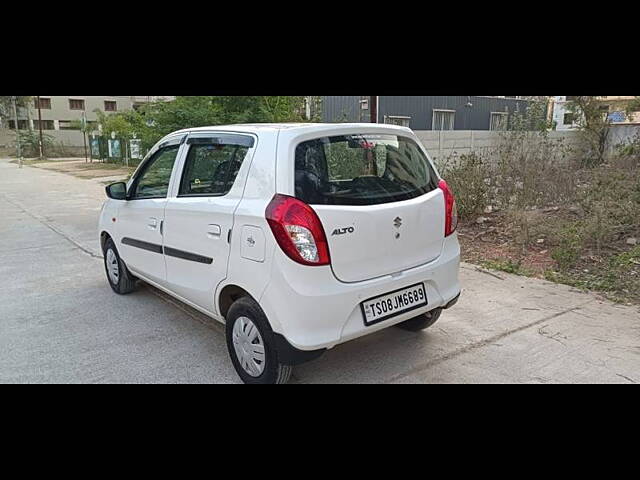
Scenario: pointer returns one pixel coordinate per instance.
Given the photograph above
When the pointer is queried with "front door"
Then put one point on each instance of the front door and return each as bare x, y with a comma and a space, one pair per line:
140, 218
199, 219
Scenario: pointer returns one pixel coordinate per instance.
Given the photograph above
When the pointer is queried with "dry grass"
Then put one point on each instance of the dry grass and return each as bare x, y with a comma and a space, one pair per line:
553, 219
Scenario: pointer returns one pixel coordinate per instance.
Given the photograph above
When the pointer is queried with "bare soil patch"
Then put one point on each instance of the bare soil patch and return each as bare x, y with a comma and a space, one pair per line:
87, 170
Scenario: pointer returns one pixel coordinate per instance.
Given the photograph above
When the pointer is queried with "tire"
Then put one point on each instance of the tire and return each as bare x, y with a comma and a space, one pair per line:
421, 322
118, 276
244, 318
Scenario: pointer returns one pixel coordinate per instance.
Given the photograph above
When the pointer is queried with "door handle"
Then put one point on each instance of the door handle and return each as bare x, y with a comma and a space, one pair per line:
153, 223
214, 230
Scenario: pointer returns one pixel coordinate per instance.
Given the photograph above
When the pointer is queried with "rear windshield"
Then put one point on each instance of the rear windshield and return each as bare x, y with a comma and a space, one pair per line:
361, 170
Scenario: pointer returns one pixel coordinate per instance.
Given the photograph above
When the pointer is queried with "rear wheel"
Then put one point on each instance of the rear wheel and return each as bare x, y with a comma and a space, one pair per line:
421, 322
251, 345
120, 280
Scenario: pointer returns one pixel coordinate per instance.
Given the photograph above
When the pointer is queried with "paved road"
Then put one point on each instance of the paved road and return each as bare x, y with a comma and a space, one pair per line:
60, 321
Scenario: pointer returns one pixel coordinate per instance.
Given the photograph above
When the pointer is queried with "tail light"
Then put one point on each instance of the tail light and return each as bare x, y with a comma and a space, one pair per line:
298, 230
451, 211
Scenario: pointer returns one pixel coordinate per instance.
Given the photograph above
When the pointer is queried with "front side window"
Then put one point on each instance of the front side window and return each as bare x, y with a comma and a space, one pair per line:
153, 181
211, 169
361, 170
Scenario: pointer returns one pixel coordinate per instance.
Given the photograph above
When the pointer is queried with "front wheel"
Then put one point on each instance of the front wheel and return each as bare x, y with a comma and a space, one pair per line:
121, 281
421, 322
251, 345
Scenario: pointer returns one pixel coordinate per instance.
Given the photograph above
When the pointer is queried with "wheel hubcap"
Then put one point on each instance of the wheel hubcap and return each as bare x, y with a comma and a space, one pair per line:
249, 347
113, 268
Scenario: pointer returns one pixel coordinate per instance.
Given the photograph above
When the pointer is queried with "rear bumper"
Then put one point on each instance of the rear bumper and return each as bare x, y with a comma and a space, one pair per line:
312, 310
451, 303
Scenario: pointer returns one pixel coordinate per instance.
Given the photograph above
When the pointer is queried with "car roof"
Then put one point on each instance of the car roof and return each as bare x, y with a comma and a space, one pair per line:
293, 127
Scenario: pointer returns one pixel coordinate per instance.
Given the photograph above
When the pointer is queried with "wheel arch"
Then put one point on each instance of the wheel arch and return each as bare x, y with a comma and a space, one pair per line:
229, 294
104, 236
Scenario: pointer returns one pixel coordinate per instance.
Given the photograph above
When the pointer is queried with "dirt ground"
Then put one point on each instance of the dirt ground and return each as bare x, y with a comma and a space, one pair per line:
495, 242
82, 169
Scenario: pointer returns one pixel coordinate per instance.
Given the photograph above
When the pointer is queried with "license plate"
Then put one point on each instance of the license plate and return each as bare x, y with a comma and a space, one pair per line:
394, 303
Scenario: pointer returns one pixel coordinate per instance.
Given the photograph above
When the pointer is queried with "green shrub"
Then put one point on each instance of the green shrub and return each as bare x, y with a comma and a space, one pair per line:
508, 266
571, 243
30, 141
468, 178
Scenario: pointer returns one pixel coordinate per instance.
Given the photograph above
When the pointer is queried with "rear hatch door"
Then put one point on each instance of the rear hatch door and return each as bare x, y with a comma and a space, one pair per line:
378, 200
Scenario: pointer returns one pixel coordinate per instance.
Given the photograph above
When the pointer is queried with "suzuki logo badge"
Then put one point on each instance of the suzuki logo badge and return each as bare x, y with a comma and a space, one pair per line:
397, 222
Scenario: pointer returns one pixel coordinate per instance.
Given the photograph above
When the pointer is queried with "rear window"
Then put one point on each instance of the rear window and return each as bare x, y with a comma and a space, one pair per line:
361, 170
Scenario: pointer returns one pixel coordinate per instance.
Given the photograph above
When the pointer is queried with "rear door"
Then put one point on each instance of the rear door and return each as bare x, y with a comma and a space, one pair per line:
140, 218
199, 216
378, 201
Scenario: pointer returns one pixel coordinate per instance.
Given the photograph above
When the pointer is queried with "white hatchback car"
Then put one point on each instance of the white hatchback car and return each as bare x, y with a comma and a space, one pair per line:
298, 236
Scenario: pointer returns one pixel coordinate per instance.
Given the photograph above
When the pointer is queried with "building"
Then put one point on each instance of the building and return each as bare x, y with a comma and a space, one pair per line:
426, 112
59, 112
613, 106
141, 100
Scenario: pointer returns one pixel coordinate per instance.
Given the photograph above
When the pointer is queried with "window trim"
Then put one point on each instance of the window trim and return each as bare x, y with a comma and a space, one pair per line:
442, 110
222, 139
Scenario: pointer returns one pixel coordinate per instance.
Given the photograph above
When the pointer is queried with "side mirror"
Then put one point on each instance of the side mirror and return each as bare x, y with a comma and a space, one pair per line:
117, 191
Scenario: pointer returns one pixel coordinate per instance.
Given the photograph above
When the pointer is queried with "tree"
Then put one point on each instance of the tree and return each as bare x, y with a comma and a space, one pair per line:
633, 107
154, 120
534, 118
592, 118
6, 105
87, 128
157, 119
9, 108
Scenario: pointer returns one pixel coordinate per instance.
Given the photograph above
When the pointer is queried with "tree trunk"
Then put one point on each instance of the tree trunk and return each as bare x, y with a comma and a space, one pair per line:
15, 119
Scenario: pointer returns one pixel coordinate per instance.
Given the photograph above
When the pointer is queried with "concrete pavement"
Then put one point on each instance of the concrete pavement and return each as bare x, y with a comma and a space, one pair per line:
60, 321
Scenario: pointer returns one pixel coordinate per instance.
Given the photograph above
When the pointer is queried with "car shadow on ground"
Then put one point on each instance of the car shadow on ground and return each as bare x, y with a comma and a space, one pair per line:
379, 357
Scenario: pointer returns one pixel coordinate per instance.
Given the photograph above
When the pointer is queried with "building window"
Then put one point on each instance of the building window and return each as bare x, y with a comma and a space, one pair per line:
110, 106
498, 121
568, 119
22, 124
67, 125
397, 120
443, 119
46, 125
364, 104
75, 104
45, 103
617, 117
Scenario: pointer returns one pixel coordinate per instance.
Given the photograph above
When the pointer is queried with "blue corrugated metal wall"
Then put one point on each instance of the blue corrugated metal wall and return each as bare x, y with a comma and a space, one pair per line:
420, 109
341, 109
